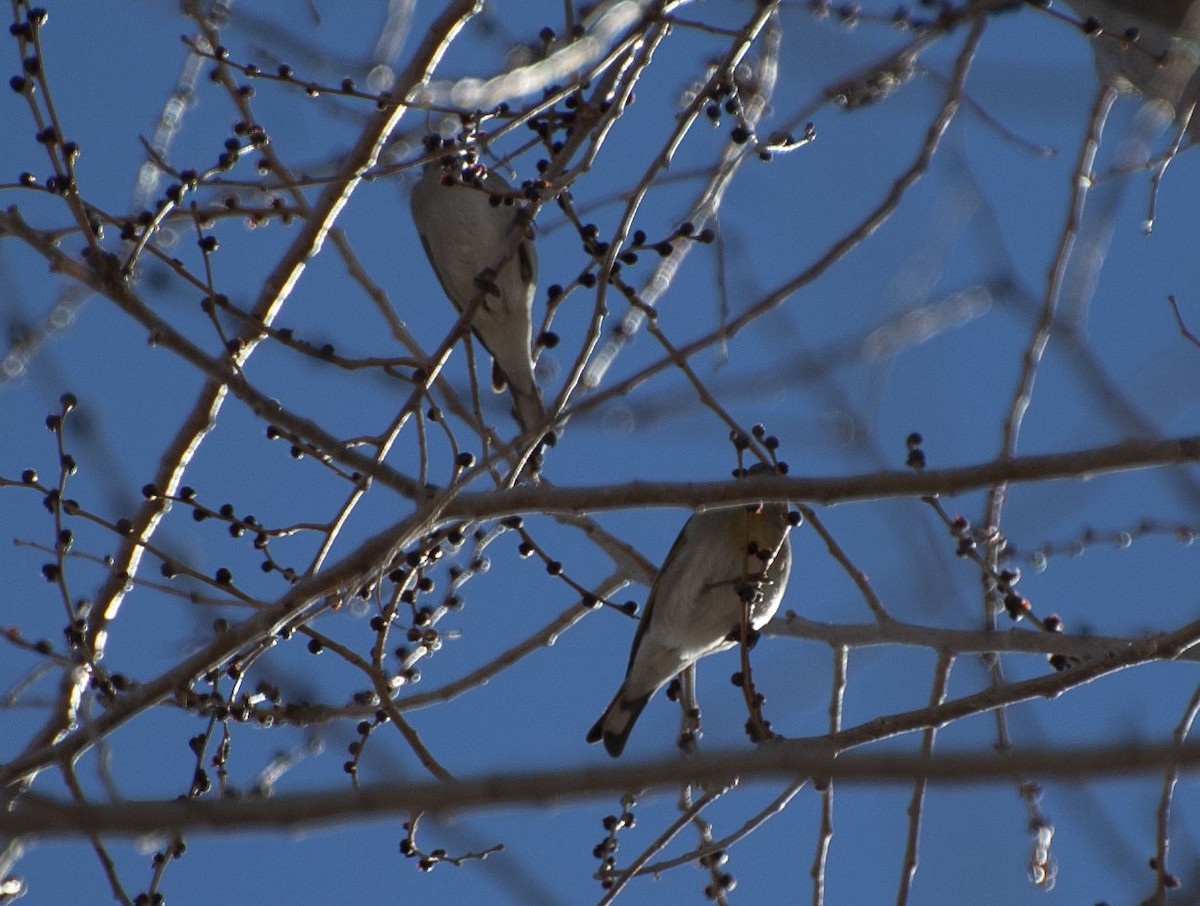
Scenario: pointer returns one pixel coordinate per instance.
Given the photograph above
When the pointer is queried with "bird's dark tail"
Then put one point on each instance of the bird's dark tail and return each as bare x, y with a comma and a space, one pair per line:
528, 409
530, 413
616, 723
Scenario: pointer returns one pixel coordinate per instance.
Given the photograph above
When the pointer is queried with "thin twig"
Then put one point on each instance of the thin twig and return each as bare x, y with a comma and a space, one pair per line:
908, 871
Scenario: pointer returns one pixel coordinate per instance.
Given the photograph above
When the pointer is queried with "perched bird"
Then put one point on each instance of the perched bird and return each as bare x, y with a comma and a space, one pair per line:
1161, 65
695, 604
466, 235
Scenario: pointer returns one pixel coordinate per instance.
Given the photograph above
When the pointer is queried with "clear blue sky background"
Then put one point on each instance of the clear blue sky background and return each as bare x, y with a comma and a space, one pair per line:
984, 223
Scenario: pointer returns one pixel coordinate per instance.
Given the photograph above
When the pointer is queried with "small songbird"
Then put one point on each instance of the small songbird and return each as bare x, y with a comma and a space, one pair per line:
466, 230
695, 604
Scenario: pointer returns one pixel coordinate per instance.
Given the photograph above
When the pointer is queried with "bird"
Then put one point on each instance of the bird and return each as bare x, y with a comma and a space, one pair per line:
465, 234
1162, 66
695, 604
